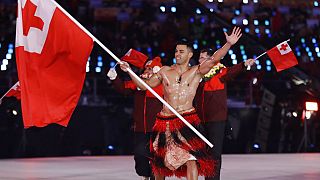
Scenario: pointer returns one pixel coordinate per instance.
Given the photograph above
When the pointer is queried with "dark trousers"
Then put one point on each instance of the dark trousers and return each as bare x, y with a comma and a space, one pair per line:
215, 134
142, 153
44, 141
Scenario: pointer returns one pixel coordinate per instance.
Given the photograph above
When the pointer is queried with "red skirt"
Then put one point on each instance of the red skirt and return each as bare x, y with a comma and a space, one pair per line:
174, 143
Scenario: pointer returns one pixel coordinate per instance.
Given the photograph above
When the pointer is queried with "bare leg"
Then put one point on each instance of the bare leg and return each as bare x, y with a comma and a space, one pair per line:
192, 170
158, 177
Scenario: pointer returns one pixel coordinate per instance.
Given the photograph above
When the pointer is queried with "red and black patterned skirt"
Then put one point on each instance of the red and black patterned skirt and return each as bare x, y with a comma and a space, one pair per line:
174, 143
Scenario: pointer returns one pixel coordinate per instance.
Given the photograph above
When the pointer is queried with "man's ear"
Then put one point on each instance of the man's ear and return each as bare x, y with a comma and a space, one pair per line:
190, 55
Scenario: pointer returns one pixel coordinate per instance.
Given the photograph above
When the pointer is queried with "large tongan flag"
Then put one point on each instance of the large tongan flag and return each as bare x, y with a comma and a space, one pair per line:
282, 56
51, 52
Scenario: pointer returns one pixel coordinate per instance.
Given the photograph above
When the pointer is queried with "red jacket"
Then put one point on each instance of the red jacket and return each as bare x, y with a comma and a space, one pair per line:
211, 97
146, 106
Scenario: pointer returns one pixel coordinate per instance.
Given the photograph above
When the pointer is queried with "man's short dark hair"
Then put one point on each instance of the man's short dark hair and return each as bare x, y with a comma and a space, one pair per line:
209, 51
184, 41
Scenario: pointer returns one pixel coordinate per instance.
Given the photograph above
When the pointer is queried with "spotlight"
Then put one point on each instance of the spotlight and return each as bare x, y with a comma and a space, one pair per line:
198, 11
112, 64
256, 146
255, 80
311, 106
5, 61
173, 9
98, 69
162, 8
110, 147
295, 114
245, 1
14, 112
245, 22
210, 1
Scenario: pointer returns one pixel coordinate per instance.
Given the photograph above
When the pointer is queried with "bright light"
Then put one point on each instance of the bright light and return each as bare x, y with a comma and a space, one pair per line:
234, 21
87, 69
255, 80
268, 62
162, 9
210, 1
311, 106
220, 1
112, 64
256, 22
317, 49
307, 49
198, 11
98, 69
3, 67
10, 46
195, 46
268, 68
174, 61
267, 31
247, 30
318, 54
257, 61
256, 146
257, 30
259, 67
295, 114
266, 22
211, 10
244, 57
310, 54
14, 112
314, 41
245, 1
224, 30
9, 56
100, 63
316, 4
308, 114
233, 56
5, 61
162, 54
255, 1
245, 22
110, 147
237, 12
99, 58
234, 62
303, 40
173, 9
10, 51
230, 52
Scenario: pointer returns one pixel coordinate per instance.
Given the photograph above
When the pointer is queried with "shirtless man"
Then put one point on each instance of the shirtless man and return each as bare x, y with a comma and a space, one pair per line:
176, 149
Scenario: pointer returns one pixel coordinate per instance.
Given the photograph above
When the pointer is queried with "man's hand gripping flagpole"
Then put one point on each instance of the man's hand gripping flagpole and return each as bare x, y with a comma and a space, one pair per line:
137, 77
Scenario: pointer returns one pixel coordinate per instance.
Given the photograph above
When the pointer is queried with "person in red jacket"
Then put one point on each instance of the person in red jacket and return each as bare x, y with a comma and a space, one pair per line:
211, 102
146, 106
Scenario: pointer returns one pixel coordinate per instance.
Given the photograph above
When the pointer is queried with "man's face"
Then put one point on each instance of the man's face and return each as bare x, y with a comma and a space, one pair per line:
203, 56
182, 54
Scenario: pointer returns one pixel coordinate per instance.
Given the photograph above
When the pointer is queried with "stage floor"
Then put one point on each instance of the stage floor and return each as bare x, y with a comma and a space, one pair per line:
235, 167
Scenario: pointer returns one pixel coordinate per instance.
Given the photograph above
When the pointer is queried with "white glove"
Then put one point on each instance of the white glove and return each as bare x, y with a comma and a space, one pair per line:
156, 69
112, 74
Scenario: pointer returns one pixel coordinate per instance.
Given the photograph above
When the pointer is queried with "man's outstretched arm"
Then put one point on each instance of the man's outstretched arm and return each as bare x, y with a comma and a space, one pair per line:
231, 40
153, 81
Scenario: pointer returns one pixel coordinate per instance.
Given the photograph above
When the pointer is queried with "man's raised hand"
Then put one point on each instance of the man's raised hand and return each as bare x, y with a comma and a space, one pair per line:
234, 36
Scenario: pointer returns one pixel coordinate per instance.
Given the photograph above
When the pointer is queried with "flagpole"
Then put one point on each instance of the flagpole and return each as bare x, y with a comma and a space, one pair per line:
249, 67
8, 91
132, 73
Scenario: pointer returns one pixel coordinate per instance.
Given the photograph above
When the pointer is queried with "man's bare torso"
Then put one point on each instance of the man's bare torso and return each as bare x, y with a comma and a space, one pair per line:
179, 88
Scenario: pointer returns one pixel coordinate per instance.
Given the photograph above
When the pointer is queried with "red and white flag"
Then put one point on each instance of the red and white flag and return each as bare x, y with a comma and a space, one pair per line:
51, 52
282, 56
15, 91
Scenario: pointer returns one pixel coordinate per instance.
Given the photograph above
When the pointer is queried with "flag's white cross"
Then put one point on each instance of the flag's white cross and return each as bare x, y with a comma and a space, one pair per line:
284, 48
31, 32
